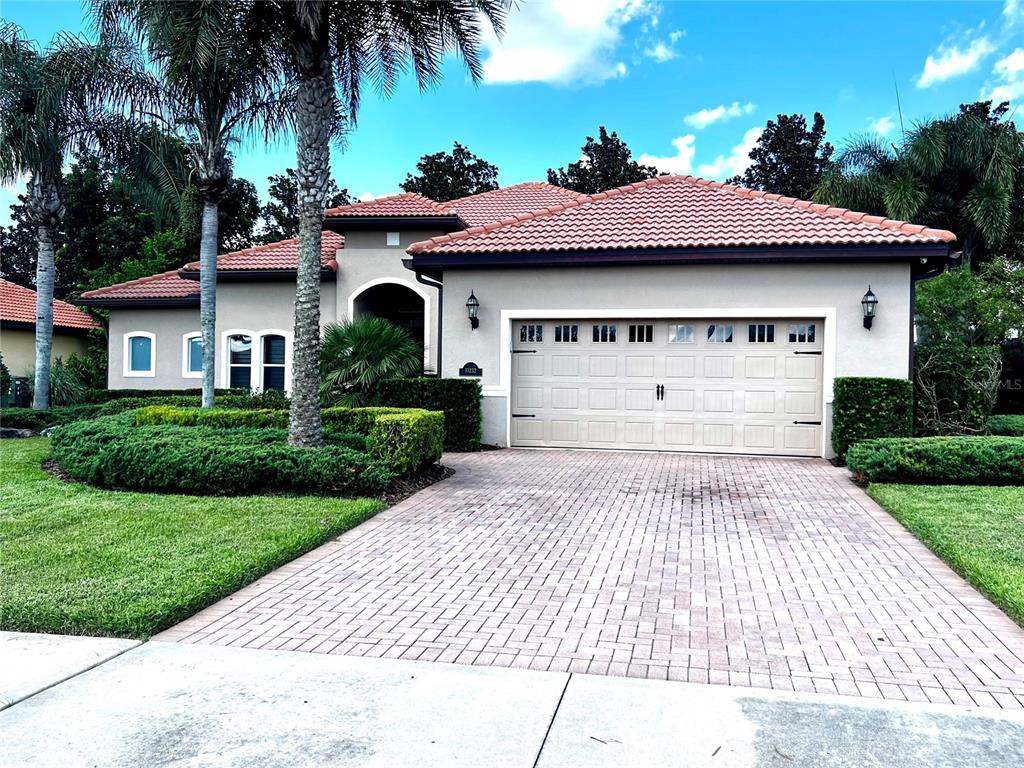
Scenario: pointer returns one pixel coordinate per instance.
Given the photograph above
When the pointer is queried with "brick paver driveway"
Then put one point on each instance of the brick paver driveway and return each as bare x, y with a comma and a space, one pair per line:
764, 572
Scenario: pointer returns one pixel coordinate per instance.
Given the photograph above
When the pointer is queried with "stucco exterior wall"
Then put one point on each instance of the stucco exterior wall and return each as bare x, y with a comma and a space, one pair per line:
19, 349
367, 260
253, 307
726, 290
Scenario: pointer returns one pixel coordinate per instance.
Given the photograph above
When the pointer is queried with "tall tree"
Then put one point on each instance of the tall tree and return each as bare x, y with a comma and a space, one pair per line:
330, 48
280, 214
789, 158
606, 163
214, 90
237, 214
445, 176
50, 101
963, 172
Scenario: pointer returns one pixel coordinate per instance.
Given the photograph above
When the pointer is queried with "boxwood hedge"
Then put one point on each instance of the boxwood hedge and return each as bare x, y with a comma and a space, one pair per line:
459, 399
29, 418
1007, 424
114, 452
940, 460
864, 408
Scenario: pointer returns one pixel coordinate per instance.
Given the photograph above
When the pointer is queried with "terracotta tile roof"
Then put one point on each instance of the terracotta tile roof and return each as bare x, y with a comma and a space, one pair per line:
283, 255
407, 204
680, 212
510, 201
18, 305
166, 285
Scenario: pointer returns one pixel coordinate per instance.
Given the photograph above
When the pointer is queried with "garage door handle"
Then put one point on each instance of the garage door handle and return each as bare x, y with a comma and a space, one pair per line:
524, 416
808, 422
815, 352
524, 351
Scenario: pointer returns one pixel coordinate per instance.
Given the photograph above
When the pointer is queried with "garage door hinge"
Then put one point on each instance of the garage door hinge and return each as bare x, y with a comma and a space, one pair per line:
808, 422
815, 352
524, 416
524, 351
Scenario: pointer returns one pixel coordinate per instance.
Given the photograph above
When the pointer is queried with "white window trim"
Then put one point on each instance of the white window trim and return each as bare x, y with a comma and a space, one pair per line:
256, 366
185, 339
428, 323
126, 356
828, 340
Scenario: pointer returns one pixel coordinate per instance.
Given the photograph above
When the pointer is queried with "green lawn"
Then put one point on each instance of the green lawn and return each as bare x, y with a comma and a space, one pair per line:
978, 530
80, 560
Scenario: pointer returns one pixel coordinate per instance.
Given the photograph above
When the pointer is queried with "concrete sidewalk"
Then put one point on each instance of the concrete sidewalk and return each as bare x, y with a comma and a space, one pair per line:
165, 704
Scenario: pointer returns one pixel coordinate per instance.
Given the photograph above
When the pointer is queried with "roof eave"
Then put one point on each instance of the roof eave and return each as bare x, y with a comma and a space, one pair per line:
115, 303
909, 252
257, 275
364, 223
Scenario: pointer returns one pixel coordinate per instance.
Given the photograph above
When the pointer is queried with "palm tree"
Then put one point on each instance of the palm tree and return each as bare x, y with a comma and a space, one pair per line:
52, 101
358, 355
964, 172
213, 91
330, 47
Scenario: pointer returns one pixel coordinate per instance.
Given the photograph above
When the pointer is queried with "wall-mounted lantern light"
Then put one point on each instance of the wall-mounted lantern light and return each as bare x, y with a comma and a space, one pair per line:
870, 303
472, 307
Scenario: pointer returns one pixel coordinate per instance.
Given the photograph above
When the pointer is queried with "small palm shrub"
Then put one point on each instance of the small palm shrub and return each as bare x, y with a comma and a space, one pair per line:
357, 355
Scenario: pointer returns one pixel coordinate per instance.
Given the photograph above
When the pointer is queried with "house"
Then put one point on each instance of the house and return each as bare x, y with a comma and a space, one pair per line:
71, 327
671, 314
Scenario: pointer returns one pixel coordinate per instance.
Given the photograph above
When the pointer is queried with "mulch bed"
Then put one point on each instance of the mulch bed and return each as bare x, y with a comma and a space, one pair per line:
404, 487
51, 467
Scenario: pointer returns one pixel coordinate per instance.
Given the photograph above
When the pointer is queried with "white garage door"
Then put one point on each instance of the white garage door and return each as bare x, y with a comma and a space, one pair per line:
721, 386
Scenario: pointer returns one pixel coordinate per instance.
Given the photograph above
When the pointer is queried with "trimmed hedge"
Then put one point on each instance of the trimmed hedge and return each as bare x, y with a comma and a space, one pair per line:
29, 418
1006, 424
864, 408
940, 460
106, 395
407, 441
112, 452
405, 438
459, 399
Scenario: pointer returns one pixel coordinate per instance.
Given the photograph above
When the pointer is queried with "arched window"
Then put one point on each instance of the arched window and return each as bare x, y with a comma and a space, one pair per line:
273, 358
240, 361
192, 356
139, 354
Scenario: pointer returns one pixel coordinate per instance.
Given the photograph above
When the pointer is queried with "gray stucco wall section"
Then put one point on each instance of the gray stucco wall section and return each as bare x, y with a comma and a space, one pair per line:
367, 257
252, 307
855, 351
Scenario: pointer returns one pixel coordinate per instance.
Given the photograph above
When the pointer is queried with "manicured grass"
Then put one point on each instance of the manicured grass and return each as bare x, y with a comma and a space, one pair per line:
79, 560
978, 530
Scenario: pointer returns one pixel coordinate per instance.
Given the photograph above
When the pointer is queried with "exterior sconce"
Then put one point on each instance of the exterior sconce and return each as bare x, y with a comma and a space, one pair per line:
472, 307
870, 303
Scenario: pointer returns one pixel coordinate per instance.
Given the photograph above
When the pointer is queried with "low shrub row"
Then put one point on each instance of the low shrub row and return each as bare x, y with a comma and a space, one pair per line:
868, 407
114, 452
939, 460
1007, 424
105, 395
29, 418
459, 399
405, 438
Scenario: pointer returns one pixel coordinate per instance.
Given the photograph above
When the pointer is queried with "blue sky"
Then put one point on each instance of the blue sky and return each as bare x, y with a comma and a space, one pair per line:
688, 85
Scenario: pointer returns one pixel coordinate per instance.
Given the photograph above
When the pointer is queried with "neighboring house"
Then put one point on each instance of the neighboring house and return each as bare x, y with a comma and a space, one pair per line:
672, 314
71, 328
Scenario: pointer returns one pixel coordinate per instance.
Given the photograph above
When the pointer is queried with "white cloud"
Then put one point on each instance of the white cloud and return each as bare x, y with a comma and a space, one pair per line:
674, 35
368, 196
736, 161
882, 125
1009, 72
951, 61
660, 52
1013, 11
681, 162
705, 117
562, 41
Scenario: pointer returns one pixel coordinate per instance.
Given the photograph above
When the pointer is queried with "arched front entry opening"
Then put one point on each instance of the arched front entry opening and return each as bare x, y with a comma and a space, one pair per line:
397, 301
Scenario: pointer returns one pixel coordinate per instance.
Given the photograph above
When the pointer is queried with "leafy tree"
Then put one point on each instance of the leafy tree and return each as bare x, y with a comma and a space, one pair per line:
443, 176
157, 253
19, 245
213, 90
963, 172
788, 159
50, 101
237, 215
605, 164
280, 215
329, 49
357, 355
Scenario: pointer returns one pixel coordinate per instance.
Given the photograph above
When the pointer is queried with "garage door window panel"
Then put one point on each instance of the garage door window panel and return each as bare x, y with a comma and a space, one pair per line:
802, 333
719, 333
761, 333
567, 334
531, 334
680, 334
603, 334
641, 334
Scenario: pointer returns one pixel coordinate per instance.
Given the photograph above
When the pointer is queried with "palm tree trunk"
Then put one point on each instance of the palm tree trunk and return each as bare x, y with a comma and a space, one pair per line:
314, 117
208, 298
44, 317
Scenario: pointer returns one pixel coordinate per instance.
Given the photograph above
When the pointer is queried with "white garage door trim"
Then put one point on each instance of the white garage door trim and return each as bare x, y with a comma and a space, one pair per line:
828, 314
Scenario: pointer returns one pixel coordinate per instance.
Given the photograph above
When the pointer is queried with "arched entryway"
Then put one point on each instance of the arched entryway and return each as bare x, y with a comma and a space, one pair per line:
396, 300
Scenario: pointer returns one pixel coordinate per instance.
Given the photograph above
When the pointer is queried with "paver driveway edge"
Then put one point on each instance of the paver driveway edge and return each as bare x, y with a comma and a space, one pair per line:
748, 571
